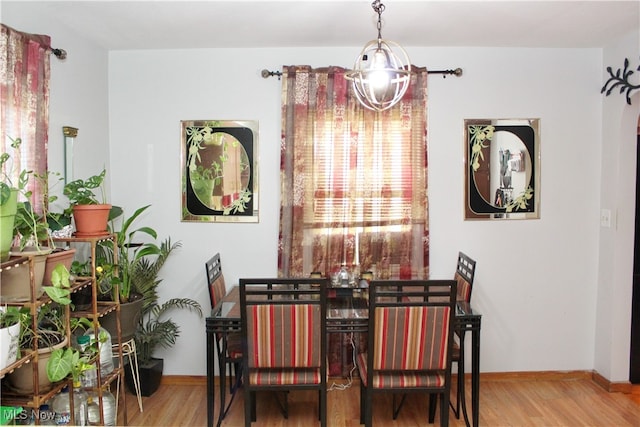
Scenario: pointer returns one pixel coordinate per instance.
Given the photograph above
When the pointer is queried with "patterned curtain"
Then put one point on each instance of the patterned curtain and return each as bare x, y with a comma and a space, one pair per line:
353, 181
24, 89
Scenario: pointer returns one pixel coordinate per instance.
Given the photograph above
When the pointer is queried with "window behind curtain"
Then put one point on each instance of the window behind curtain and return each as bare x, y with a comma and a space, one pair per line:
353, 180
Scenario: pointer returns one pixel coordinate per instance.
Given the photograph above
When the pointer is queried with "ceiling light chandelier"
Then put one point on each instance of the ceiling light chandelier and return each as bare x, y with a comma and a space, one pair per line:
381, 72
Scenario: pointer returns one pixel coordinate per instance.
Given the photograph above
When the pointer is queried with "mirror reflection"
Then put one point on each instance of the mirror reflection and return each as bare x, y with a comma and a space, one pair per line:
221, 171
502, 169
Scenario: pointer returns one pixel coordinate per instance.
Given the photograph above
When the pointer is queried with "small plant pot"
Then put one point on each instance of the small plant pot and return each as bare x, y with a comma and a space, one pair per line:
9, 345
7, 218
91, 220
16, 282
58, 256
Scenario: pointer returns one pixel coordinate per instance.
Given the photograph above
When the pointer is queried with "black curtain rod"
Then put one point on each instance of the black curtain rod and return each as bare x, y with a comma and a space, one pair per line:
457, 72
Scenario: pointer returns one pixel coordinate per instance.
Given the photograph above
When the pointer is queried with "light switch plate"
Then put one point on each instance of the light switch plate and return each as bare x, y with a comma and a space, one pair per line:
605, 218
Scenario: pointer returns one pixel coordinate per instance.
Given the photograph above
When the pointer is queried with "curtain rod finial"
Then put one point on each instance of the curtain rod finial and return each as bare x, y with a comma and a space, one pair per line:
59, 53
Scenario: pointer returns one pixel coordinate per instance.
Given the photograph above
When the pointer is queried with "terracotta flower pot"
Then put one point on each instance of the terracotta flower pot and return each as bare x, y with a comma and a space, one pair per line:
91, 220
58, 256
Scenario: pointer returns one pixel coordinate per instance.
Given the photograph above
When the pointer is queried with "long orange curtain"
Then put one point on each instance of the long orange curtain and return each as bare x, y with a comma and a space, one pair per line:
24, 92
353, 181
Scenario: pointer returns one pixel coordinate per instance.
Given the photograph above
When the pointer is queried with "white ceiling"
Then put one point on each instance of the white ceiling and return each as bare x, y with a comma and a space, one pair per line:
117, 25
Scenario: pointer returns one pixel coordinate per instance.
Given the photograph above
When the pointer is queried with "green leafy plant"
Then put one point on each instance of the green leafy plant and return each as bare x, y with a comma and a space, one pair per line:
138, 262
59, 291
11, 315
157, 330
8, 169
28, 227
50, 330
82, 192
54, 220
65, 361
80, 269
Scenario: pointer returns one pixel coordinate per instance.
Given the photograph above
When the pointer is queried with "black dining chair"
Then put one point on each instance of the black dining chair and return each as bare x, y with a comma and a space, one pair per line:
464, 275
233, 342
410, 344
284, 332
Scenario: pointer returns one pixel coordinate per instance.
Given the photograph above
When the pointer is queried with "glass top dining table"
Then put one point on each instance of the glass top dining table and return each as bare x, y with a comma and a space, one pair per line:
347, 312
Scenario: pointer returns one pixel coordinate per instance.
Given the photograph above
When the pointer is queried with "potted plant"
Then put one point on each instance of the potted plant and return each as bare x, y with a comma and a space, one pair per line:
90, 213
9, 335
53, 224
9, 197
138, 265
28, 230
156, 330
50, 334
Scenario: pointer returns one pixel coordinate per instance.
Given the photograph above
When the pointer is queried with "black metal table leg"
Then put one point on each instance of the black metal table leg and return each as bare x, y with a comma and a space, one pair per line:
475, 378
221, 346
210, 377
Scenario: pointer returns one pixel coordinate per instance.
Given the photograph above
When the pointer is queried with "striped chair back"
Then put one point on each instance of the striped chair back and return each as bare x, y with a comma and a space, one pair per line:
413, 338
284, 336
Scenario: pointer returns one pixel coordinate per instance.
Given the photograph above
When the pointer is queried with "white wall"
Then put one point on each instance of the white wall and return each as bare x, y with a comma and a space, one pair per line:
530, 300
537, 280
618, 193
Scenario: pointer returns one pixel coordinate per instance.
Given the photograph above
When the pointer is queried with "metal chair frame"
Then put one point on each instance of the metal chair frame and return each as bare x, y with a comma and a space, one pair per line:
284, 291
403, 293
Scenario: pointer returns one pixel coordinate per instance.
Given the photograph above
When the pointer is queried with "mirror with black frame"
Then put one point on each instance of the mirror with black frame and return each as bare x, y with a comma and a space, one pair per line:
502, 168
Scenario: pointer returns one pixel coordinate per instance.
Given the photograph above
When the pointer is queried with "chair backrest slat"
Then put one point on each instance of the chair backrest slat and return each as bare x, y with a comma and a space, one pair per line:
465, 273
215, 279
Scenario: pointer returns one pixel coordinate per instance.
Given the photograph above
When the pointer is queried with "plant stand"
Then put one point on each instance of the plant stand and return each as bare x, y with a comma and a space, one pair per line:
97, 310
129, 349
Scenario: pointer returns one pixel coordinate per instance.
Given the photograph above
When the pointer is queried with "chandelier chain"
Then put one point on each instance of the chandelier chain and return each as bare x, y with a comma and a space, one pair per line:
378, 7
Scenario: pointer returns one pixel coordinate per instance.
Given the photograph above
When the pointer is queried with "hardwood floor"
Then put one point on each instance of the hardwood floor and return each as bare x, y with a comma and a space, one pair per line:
575, 402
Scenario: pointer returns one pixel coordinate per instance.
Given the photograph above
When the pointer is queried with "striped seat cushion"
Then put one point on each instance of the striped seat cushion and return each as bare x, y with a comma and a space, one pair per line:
399, 379
284, 336
410, 338
284, 376
464, 288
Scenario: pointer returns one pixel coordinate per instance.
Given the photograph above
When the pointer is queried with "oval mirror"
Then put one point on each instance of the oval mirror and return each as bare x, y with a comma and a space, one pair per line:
221, 172
502, 169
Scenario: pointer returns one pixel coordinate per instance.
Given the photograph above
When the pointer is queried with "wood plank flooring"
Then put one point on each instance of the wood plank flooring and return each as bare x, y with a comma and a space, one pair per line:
573, 402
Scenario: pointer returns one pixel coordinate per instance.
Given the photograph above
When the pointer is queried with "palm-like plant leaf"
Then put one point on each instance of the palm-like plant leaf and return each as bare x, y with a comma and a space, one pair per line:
154, 331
